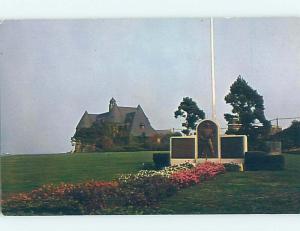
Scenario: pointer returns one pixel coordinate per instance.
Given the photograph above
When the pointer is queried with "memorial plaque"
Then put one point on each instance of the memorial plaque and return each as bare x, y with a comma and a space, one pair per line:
183, 148
233, 146
207, 139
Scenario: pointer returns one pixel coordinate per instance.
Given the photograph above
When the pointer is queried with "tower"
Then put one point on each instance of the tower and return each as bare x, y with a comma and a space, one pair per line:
112, 103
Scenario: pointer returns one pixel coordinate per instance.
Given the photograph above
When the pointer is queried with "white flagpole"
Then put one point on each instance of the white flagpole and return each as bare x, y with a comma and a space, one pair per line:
213, 84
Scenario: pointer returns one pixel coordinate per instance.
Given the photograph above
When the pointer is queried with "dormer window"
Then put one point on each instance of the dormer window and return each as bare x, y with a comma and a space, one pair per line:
142, 126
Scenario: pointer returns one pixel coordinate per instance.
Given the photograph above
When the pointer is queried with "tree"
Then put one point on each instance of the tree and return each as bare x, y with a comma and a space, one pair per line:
189, 110
290, 137
248, 110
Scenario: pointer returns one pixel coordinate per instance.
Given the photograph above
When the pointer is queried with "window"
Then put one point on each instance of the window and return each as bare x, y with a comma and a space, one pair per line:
142, 126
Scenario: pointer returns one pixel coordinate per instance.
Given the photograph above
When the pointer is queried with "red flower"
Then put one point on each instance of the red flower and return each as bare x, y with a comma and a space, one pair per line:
192, 176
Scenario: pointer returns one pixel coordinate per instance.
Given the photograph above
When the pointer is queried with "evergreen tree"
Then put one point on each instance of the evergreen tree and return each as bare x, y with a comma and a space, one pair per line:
189, 110
290, 137
248, 110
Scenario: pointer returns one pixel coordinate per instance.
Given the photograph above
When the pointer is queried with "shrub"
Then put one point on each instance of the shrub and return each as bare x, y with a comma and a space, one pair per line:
68, 199
255, 154
161, 160
147, 166
263, 161
107, 142
232, 167
275, 162
145, 190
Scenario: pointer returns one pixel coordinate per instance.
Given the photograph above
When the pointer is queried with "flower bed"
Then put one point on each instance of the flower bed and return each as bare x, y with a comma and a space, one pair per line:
127, 194
199, 173
84, 198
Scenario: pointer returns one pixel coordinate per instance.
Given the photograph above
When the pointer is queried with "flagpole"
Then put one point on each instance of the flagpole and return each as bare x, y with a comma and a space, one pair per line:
213, 84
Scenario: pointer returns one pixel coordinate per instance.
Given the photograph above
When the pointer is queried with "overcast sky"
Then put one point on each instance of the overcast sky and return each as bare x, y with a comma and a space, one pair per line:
52, 71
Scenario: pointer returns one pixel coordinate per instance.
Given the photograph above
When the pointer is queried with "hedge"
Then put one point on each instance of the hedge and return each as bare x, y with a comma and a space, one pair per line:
232, 167
161, 160
263, 161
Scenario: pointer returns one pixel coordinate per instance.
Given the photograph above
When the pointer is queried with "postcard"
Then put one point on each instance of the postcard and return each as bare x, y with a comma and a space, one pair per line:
139, 116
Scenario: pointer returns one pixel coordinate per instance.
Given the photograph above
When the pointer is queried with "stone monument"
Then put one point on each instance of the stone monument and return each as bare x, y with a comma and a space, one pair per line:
208, 145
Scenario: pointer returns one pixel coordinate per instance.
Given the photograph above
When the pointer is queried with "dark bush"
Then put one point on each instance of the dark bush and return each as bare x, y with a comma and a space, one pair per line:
262, 161
232, 167
41, 207
67, 199
133, 196
148, 166
144, 191
256, 153
161, 160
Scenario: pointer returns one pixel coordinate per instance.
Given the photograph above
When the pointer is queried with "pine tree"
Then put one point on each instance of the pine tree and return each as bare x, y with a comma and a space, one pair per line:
248, 110
189, 110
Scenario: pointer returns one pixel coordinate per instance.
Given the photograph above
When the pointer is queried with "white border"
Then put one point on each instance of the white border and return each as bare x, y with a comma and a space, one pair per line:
142, 8
28, 9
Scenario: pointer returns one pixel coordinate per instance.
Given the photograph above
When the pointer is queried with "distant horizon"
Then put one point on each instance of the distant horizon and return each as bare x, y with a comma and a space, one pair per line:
52, 71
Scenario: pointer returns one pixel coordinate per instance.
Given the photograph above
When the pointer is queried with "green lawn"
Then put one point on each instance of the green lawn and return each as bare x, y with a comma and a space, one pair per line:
22, 173
241, 192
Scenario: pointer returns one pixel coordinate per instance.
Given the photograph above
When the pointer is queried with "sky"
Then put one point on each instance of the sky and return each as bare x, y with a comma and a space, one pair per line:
51, 71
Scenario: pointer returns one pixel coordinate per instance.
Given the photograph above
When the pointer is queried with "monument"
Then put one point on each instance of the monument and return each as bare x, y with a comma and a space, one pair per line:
208, 145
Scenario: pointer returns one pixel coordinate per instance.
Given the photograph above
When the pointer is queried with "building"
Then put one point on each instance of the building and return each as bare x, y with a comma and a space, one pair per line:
133, 120
234, 125
275, 129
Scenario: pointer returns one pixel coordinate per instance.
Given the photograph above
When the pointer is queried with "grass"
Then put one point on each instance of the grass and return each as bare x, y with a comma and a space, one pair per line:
22, 173
231, 193
242, 193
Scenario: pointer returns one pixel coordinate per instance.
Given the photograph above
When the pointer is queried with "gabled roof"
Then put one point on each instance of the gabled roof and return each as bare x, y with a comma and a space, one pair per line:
116, 115
133, 116
140, 124
86, 121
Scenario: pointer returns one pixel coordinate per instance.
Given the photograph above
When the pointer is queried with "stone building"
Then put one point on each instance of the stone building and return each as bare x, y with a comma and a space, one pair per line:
131, 119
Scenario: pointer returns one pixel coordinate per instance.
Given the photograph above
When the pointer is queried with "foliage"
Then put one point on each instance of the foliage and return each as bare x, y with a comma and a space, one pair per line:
189, 110
106, 136
132, 193
104, 143
209, 170
255, 161
38, 170
165, 172
88, 135
145, 190
199, 173
113, 137
185, 178
161, 160
160, 142
248, 110
257, 192
232, 167
69, 199
290, 137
